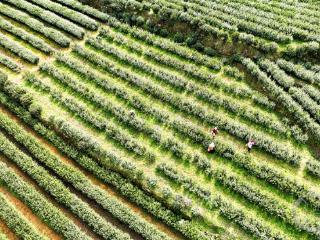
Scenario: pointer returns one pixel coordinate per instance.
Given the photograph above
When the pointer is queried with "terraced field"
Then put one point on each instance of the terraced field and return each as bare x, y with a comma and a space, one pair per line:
104, 129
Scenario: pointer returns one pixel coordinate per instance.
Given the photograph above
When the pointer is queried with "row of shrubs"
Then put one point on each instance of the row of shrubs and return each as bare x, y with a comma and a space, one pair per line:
201, 24
299, 71
80, 182
187, 106
306, 102
55, 187
226, 208
277, 73
200, 92
81, 144
24, 35
74, 16
35, 25
162, 56
313, 92
17, 49
253, 195
92, 12
49, 17
16, 221
9, 63
127, 168
44, 209
302, 117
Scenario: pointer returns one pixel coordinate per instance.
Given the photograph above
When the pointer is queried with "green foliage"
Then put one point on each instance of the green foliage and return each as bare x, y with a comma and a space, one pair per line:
15, 221
24, 35
18, 49
48, 17
35, 25
50, 214
8, 62
77, 17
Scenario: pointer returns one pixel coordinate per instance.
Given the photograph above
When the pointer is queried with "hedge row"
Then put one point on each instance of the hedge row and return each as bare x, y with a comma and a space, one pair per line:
100, 123
55, 188
74, 16
226, 209
16, 222
49, 17
124, 186
302, 50
200, 92
283, 98
306, 102
229, 125
299, 71
49, 214
192, 131
313, 92
81, 183
18, 49
277, 74
9, 63
85, 9
35, 25
24, 35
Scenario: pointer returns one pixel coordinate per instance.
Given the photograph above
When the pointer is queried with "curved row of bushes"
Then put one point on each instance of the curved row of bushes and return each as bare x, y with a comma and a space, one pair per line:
299, 71
24, 35
17, 49
92, 12
9, 63
74, 16
16, 221
35, 25
302, 117
49, 17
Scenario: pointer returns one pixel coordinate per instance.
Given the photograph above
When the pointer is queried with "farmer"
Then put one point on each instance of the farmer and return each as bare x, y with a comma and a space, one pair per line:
214, 132
211, 147
250, 144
